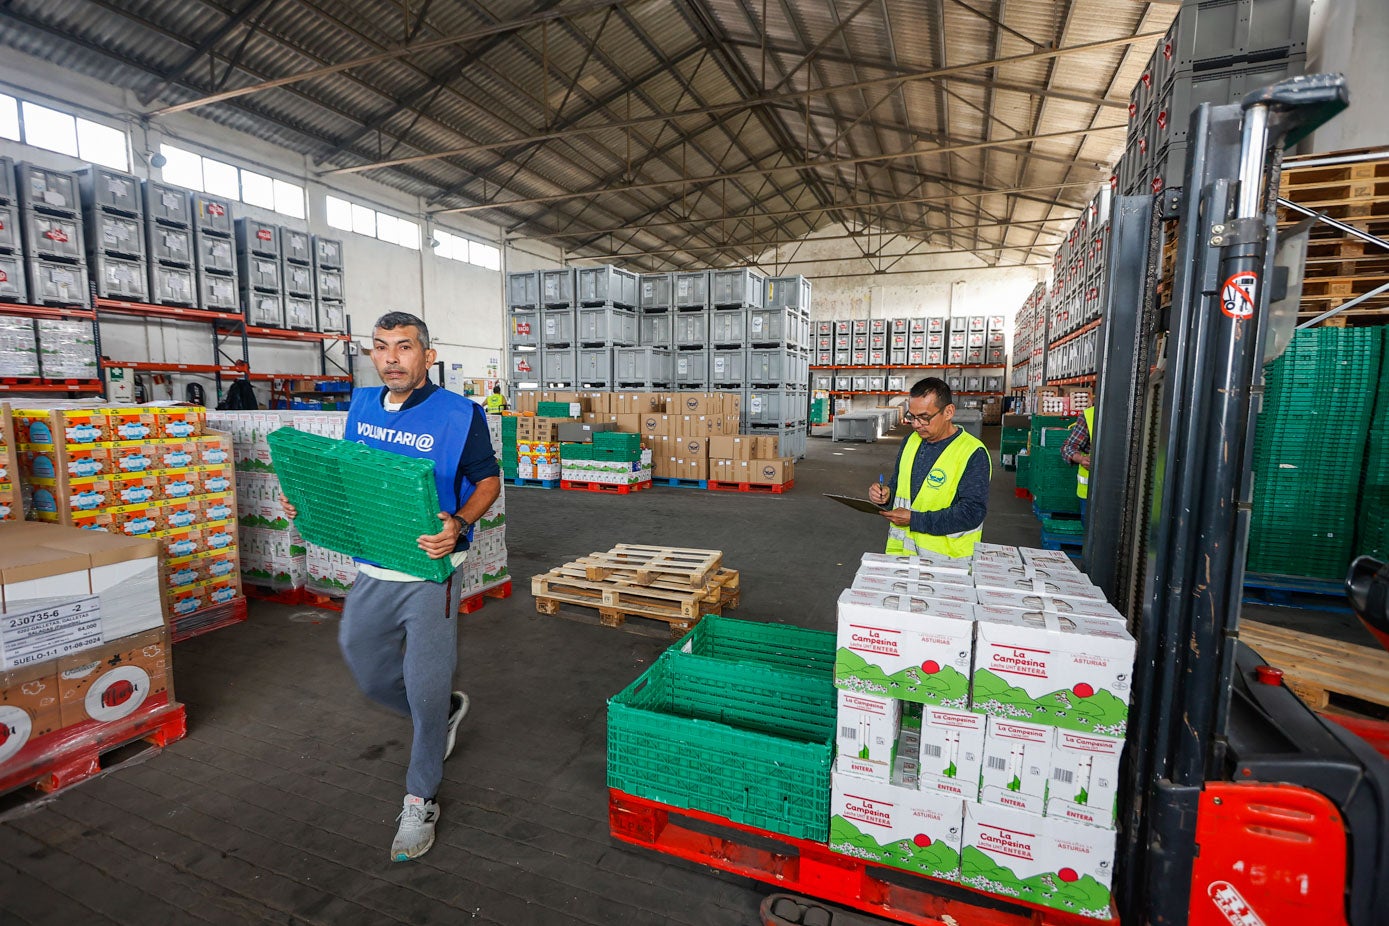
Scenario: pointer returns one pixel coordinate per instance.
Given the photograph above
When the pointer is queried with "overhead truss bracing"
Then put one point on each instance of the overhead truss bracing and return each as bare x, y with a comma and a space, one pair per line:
662, 133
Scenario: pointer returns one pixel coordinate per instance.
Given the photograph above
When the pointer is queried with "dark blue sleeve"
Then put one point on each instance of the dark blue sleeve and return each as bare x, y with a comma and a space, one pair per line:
478, 461
971, 503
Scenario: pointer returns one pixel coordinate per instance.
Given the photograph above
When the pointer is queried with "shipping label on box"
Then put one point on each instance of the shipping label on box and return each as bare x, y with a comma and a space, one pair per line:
48, 629
1017, 761
952, 751
904, 647
1084, 785
923, 585
115, 680
868, 731
918, 831
1052, 862
1073, 672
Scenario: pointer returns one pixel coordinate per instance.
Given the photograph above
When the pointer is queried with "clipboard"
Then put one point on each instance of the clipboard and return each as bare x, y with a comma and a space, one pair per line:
858, 504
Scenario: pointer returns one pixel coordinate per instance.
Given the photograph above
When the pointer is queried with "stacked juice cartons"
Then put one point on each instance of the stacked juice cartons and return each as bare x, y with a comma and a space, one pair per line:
142, 471
982, 705
84, 659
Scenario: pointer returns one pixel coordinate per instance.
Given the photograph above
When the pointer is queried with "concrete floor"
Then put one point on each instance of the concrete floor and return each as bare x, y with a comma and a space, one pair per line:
279, 805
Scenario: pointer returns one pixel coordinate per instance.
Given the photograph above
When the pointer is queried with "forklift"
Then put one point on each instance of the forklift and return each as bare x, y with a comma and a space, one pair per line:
1240, 806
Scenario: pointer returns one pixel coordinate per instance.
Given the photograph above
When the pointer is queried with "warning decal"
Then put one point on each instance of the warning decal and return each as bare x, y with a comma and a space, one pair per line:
1240, 295
1232, 904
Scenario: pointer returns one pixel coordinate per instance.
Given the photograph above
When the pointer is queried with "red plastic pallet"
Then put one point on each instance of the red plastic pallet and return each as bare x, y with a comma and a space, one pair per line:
573, 485
289, 596
469, 605
1022, 493
754, 487
217, 616
66, 757
330, 603
810, 868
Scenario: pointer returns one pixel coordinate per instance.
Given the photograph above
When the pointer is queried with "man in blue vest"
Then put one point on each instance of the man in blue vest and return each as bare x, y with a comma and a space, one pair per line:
940, 486
399, 634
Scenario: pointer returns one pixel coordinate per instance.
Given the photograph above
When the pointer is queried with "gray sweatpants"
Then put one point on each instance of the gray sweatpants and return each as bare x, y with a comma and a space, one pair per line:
400, 640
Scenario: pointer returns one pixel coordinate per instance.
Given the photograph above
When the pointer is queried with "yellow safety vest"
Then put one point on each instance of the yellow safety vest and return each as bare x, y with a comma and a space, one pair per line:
938, 491
1082, 472
495, 402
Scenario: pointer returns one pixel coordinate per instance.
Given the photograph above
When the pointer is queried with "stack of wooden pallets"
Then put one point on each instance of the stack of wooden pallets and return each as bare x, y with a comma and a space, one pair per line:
673, 585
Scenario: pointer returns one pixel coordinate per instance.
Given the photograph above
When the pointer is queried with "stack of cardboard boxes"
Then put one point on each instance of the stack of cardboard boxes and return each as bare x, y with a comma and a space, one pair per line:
85, 648
982, 709
141, 471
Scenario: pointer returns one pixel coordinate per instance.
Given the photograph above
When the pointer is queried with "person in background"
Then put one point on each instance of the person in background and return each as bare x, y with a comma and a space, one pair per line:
940, 491
399, 633
495, 401
1076, 450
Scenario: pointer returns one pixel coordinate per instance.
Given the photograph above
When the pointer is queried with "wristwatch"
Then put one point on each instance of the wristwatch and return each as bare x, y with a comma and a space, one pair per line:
462, 524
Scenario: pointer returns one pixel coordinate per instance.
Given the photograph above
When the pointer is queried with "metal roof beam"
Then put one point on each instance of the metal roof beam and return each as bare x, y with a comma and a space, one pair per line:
180, 70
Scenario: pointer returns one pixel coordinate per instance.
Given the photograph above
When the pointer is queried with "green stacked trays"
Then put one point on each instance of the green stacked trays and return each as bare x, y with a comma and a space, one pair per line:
1051, 479
779, 646
1063, 526
553, 409
1372, 531
1013, 442
618, 442
509, 457
576, 451
360, 501
1310, 452
819, 411
1024, 475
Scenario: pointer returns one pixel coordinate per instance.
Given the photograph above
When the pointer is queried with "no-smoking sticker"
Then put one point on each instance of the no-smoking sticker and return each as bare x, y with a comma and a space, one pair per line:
1240, 295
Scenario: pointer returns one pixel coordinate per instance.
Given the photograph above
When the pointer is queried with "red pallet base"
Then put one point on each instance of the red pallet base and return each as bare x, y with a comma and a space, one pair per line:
1022, 493
755, 487
469, 605
206, 620
74, 755
291, 596
810, 868
572, 485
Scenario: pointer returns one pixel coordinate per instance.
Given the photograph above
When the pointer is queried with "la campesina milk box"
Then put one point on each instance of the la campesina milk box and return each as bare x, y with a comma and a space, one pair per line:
898, 646
1072, 672
952, 751
924, 586
1017, 761
1084, 782
914, 830
927, 560
868, 730
1029, 601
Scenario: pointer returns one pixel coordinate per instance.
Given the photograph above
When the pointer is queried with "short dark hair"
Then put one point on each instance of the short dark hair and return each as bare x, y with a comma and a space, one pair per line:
497, 390
392, 320
933, 386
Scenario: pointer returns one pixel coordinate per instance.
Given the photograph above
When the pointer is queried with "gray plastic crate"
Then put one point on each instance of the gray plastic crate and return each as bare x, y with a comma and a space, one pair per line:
641, 366
899, 326
264, 309
525, 328
791, 440
215, 293
47, 190
255, 237
332, 315
606, 326
170, 245
728, 367
773, 366
120, 278
557, 327
775, 406
656, 290
296, 246
327, 252
55, 283
558, 365
258, 273
692, 289
737, 287
607, 286
523, 289
300, 314
791, 292
655, 329
103, 188
690, 329
12, 282
822, 382
728, 327
298, 279
7, 194
557, 287
215, 254
1213, 33
166, 204
776, 326
329, 284
211, 214
9, 228
690, 368
110, 233
594, 366
51, 236
525, 366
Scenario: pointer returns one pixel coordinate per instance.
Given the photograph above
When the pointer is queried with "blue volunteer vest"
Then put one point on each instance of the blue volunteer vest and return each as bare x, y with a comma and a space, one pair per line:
436, 429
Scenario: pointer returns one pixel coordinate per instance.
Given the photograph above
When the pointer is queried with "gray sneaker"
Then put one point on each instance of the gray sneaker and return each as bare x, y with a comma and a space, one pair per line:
458, 709
416, 832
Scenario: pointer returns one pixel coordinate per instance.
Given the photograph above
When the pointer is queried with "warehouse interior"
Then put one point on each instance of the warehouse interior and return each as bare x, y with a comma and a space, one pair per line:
896, 190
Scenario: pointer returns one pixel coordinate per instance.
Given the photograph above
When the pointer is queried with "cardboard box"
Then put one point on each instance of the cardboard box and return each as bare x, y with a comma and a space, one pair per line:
140, 423
691, 469
731, 447
1072, 672
904, 647
928, 560
1017, 762
136, 457
78, 462
73, 426
30, 707
925, 585
996, 554
181, 422
918, 831
1084, 780
124, 575
766, 447
691, 448
694, 425
868, 727
1027, 601
1047, 861
951, 751
571, 432
113, 681
696, 403
654, 423
771, 471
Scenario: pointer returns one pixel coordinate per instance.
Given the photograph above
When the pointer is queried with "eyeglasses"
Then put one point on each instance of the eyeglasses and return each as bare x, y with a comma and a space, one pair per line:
909, 418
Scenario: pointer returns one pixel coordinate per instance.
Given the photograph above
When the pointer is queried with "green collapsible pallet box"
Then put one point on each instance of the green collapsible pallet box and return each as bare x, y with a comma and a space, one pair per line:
1372, 531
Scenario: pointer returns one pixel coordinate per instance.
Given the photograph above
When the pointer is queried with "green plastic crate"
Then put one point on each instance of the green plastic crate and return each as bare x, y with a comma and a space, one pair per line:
553, 409
620, 441
747, 742
780, 646
1024, 473
1063, 526
360, 501
576, 451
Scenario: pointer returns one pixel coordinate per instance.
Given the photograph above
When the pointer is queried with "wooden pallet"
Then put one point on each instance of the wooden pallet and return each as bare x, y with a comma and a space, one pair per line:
643, 565
1318, 669
615, 603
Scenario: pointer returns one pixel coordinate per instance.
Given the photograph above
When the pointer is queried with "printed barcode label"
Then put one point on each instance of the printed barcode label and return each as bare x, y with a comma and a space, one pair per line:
931, 749
998, 763
848, 733
1063, 775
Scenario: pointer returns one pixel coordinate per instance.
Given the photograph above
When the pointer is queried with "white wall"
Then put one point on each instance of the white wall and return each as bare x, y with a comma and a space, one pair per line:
461, 303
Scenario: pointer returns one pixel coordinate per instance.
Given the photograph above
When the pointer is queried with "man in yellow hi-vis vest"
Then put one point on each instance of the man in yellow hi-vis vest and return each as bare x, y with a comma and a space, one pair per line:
1076, 449
940, 491
495, 401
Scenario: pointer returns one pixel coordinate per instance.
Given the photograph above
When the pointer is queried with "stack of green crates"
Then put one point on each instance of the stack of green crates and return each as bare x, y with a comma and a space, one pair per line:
1309, 452
1372, 533
509, 458
819, 411
1014, 440
1024, 464
1051, 479
568, 451
617, 445
553, 409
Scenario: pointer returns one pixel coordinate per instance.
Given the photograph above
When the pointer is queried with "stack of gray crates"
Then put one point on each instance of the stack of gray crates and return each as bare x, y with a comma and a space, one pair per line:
525, 341
689, 331
605, 319
898, 337
926, 341
113, 205
559, 336
1078, 280
330, 295
12, 287
778, 361
822, 346
51, 227
169, 244
259, 268
215, 253
296, 274
877, 342
996, 340
843, 342
1215, 51
655, 308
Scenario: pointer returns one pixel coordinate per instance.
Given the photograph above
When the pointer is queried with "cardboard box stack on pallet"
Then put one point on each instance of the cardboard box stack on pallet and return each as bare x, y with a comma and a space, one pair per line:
982, 709
84, 654
143, 471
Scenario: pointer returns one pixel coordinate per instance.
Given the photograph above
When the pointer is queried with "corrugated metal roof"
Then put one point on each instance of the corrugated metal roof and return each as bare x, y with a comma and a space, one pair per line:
651, 125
